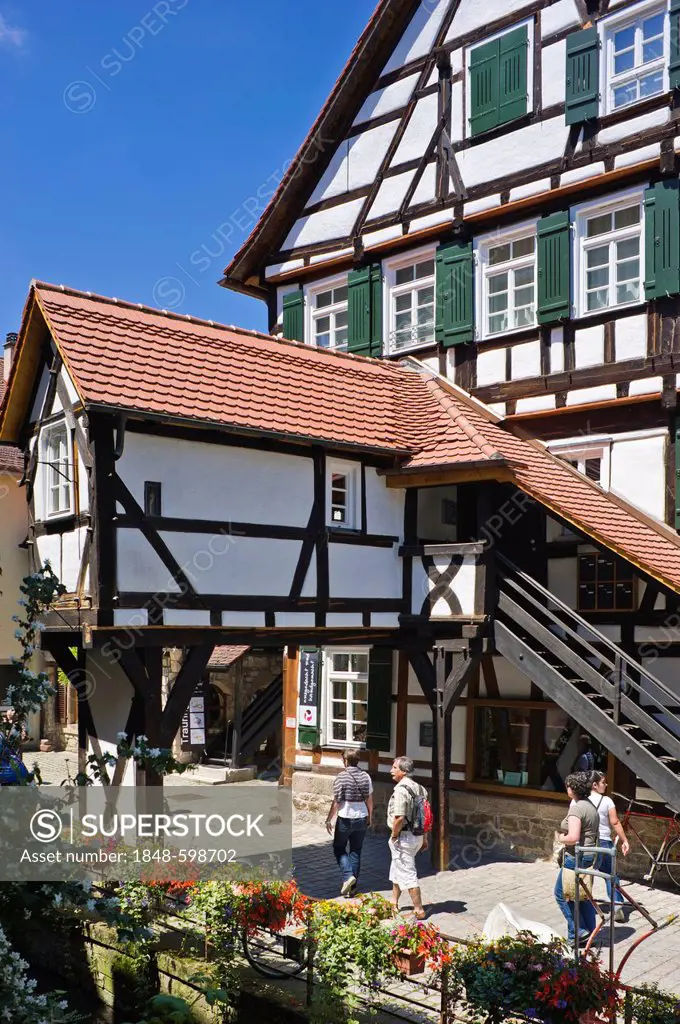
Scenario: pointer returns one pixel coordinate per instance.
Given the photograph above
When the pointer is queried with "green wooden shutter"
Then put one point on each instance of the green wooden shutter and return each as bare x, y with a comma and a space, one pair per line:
583, 76
677, 473
662, 239
455, 294
512, 78
554, 246
674, 59
484, 78
294, 316
379, 724
364, 309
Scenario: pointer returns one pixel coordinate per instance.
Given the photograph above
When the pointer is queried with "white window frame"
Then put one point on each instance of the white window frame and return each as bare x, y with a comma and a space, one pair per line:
581, 450
352, 471
608, 28
310, 294
326, 731
46, 434
579, 216
484, 271
529, 22
391, 289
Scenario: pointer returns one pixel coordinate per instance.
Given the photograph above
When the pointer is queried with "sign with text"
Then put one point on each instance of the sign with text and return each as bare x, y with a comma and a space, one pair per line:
310, 664
192, 731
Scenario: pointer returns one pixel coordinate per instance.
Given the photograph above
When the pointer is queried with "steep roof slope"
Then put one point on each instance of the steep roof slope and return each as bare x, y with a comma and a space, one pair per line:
155, 364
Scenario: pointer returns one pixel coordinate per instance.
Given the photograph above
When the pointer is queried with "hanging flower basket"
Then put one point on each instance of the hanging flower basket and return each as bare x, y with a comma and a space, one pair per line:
409, 963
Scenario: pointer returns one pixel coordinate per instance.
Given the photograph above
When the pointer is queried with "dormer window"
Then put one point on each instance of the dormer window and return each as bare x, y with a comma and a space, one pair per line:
57, 465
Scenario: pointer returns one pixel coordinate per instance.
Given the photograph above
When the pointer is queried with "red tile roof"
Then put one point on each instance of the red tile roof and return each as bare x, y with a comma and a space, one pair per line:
154, 363
11, 459
223, 657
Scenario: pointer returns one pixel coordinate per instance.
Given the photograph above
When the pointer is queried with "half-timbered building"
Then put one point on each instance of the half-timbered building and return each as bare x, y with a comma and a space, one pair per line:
385, 532
504, 206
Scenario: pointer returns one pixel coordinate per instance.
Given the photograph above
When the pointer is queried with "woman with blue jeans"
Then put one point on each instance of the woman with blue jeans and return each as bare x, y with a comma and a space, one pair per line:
580, 826
609, 820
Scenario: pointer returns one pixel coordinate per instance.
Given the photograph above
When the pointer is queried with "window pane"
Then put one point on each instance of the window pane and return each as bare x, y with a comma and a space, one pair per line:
624, 39
425, 269
425, 295
498, 283
359, 712
341, 319
340, 664
652, 84
524, 317
599, 225
524, 276
339, 514
324, 299
323, 325
628, 270
523, 247
403, 324
497, 323
339, 480
403, 302
624, 94
653, 26
598, 278
629, 292
358, 733
626, 218
598, 299
598, 257
624, 62
405, 274
497, 303
340, 294
339, 709
499, 254
593, 469
361, 689
524, 297
339, 731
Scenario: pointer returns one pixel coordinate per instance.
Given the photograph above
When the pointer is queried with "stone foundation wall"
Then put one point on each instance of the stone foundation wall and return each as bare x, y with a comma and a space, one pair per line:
484, 823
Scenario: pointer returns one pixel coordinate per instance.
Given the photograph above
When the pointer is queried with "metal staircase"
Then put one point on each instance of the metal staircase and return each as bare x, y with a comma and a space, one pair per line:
610, 695
262, 717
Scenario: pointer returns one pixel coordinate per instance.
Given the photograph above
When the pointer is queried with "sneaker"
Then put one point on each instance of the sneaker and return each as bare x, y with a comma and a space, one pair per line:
346, 887
619, 914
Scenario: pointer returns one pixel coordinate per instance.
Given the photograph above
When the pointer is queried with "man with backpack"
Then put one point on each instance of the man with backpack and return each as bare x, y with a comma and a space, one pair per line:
409, 818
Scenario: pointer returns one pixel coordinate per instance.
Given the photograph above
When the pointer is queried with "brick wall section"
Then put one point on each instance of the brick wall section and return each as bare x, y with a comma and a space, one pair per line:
518, 826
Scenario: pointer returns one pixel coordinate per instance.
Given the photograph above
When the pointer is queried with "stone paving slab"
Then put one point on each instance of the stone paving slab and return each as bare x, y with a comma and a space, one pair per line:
460, 900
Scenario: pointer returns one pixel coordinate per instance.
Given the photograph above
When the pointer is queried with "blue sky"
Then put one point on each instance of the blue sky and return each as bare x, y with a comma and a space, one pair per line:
130, 132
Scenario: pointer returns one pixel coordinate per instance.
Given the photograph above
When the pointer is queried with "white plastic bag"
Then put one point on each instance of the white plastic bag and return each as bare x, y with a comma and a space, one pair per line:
504, 921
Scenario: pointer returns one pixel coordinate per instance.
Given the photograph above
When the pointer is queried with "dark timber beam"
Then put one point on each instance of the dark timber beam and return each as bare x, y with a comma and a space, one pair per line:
195, 664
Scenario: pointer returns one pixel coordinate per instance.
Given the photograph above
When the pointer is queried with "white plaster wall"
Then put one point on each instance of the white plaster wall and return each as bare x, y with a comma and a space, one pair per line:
638, 473
463, 585
430, 525
384, 620
581, 173
490, 366
110, 696
536, 404
384, 101
130, 617
431, 220
589, 347
563, 580
364, 572
243, 619
559, 16
583, 396
342, 619
185, 617
425, 190
418, 713
480, 205
326, 225
373, 238
631, 337
139, 567
532, 188
367, 152
391, 195
633, 126
637, 156
553, 61
420, 34
13, 560
646, 386
384, 506
526, 360
238, 565
556, 350
64, 552
83, 486
206, 481
472, 15
419, 131
457, 111
39, 401
420, 586
511, 682
536, 144
334, 180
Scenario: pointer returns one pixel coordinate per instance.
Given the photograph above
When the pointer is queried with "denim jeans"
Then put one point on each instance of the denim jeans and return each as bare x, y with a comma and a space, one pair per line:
586, 908
606, 865
352, 832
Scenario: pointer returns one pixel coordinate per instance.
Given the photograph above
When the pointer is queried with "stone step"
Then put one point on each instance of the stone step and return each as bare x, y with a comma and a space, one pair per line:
212, 776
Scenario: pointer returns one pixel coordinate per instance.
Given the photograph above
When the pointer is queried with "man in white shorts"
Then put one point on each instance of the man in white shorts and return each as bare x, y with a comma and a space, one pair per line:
403, 844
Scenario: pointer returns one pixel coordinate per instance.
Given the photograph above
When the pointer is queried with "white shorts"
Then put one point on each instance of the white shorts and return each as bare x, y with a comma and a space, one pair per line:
403, 867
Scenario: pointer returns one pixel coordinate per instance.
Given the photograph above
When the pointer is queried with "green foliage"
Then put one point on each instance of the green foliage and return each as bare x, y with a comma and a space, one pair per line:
20, 1002
32, 689
652, 1006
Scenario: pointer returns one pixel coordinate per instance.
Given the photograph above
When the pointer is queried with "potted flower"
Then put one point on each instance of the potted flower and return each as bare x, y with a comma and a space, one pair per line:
582, 992
270, 905
417, 946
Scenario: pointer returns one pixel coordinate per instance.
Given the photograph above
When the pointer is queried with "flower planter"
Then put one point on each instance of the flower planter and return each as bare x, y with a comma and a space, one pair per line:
276, 919
409, 963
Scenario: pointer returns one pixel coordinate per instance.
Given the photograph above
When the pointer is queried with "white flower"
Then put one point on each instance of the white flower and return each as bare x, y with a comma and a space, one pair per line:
122, 736
142, 739
154, 752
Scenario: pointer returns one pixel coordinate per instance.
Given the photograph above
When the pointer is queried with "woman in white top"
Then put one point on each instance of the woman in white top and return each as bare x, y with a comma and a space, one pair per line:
609, 820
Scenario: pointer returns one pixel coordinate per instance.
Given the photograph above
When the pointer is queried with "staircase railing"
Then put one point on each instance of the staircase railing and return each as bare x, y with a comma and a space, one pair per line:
630, 690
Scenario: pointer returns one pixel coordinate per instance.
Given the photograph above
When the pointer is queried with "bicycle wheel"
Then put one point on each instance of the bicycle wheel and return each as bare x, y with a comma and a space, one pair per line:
672, 862
274, 955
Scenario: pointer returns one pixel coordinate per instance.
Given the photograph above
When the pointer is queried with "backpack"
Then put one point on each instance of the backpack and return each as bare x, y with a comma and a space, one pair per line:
422, 817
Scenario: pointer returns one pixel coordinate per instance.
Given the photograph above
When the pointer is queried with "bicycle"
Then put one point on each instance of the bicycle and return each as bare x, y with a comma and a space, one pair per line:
668, 854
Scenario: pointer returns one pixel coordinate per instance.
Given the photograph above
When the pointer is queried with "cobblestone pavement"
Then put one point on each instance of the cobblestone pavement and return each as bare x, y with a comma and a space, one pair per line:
460, 900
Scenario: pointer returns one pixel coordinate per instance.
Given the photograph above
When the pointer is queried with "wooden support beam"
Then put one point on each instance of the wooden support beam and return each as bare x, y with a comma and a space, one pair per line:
195, 664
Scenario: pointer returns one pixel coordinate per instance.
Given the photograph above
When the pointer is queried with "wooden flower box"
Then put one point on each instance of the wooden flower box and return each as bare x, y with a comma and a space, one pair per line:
409, 963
